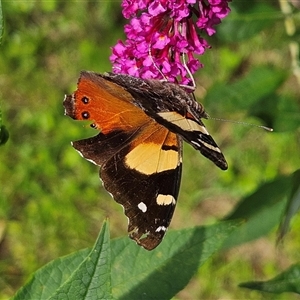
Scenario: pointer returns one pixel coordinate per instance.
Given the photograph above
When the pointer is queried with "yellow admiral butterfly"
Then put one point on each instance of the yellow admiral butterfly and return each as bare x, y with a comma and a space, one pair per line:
139, 148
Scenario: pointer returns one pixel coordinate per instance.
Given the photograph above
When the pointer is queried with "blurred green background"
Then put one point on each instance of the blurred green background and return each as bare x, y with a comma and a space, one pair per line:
51, 200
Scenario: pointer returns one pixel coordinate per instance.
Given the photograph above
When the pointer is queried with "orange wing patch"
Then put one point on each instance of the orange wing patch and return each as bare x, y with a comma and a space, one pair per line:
154, 151
107, 105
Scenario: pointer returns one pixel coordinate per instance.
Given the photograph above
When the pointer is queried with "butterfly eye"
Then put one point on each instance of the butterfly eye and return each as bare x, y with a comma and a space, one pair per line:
85, 100
85, 115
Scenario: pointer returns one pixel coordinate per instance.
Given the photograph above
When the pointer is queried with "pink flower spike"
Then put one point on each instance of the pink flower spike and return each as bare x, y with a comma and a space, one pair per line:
161, 31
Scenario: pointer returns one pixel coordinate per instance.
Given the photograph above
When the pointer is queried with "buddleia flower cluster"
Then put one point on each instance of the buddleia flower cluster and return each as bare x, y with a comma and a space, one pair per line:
163, 37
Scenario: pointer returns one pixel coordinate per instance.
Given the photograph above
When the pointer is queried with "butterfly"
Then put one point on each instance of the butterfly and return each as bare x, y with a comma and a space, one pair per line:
142, 124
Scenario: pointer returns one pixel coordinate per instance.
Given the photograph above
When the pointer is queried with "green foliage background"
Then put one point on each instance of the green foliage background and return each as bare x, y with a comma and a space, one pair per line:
51, 200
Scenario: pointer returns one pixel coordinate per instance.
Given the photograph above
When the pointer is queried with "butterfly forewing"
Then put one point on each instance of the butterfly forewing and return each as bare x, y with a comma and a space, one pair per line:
168, 104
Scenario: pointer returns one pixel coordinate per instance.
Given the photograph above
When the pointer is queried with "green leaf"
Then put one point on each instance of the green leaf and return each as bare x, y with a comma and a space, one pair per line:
282, 113
287, 115
135, 272
250, 20
82, 275
248, 91
260, 211
163, 272
288, 281
293, 205
4, 135
1, 22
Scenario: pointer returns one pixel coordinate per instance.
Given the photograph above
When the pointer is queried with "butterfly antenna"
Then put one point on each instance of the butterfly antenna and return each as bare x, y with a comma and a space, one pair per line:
242, 123
193, 86
155, 65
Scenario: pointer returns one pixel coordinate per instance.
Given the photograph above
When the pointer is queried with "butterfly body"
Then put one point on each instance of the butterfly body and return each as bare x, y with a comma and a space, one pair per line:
139, 147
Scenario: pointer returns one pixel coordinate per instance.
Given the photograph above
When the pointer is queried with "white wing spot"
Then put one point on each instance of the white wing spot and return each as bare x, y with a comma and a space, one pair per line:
165, 199
161, 228
142, 206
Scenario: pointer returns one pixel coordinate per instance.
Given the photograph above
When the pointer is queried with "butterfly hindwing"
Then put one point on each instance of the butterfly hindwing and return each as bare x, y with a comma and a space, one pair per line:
145, 180
144, 177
